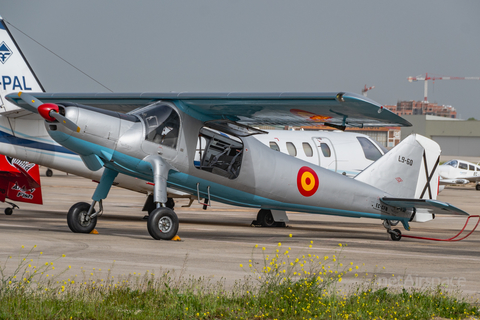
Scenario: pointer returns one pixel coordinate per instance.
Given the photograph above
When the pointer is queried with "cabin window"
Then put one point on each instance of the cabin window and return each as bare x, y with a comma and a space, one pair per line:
471, 167
452, 163
325, 150
291, 149
369, 149
463, 166
162, 124
219, 153
307, 149
274, 146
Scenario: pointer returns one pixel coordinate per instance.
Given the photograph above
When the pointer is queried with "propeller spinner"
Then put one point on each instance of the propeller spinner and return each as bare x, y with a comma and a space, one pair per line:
48, 111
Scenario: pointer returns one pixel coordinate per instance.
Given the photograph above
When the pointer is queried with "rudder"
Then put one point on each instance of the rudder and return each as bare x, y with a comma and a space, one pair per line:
410, 170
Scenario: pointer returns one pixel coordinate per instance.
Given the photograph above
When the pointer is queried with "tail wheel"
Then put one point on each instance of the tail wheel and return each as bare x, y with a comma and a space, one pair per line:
396, 235
77, 218
8, 211
265, 218
162, 224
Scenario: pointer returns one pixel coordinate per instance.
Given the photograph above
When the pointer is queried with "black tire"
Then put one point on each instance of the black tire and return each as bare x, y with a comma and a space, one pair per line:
49, 173
477, 187
76, 218
162, 224
265, 218
396, 235
8, 211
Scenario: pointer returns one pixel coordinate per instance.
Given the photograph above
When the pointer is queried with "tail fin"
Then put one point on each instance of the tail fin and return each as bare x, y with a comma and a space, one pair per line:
15, 72
410, 170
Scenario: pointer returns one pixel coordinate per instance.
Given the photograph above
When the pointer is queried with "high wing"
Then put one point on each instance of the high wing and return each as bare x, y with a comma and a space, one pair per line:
337, 109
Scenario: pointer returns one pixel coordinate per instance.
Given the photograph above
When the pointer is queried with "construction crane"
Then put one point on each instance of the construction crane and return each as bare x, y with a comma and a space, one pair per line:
426, 78
364, 90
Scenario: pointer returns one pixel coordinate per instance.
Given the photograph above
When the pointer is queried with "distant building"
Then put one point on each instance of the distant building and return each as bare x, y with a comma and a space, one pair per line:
422, 108
457, 138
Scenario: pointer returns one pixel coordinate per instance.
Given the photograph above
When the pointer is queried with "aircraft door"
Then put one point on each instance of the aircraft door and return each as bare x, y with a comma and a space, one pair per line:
326, 153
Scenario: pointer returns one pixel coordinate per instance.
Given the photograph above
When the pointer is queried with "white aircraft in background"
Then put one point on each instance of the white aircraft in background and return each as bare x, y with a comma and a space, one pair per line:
459, 172
347, 153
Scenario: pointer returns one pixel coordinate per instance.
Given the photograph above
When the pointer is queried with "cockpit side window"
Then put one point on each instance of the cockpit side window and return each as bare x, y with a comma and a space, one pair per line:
162, 124
371, 152
462, 165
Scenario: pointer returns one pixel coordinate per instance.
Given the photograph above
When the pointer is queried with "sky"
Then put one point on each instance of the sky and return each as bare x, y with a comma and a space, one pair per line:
255, 46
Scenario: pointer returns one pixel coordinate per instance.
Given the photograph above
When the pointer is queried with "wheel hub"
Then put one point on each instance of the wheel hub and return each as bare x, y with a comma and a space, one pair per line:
165, 224
84, 219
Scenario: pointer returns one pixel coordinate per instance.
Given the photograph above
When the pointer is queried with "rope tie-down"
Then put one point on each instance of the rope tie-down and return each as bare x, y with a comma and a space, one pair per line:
454, 238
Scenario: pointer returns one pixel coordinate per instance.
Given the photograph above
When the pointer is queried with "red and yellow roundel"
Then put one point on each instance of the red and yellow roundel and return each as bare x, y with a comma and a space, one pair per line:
307, 181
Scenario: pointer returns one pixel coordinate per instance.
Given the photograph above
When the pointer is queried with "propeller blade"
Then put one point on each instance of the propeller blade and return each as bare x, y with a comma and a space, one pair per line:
66, 122
48, 111
30, 100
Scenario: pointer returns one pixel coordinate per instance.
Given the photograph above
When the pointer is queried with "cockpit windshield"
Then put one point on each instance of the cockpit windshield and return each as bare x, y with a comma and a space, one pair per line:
453, 163
162, 124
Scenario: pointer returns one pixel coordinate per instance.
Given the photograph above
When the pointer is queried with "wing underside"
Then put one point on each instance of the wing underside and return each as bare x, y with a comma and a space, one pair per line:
252, 109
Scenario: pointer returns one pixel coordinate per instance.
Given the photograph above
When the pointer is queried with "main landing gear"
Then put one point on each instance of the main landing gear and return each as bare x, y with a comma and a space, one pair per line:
9, 211
80, 219
162, 221
395, 234
265, 219
162, 224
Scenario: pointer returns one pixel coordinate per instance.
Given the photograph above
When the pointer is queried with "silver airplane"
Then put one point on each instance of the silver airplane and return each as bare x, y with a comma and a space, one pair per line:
154, 137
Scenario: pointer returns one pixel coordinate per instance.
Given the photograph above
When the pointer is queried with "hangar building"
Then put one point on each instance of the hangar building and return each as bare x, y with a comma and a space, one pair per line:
457, 138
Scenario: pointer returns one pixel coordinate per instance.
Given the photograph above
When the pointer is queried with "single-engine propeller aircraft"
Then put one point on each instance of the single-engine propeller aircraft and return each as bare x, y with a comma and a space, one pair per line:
23, 135
157, 141
154, 137
459, 172
19, 181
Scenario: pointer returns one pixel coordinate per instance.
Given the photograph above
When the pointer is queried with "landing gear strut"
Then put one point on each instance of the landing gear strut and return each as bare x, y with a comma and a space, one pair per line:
162, 222
82, 218
395, 234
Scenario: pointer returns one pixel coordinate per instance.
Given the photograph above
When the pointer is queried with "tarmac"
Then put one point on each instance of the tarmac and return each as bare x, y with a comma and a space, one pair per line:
215, 242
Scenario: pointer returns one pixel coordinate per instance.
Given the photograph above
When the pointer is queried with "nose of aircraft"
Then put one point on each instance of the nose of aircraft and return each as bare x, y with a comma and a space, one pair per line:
44, 111
446, 172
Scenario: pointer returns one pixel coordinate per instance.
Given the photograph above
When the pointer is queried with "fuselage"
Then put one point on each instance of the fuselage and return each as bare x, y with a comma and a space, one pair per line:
234, 170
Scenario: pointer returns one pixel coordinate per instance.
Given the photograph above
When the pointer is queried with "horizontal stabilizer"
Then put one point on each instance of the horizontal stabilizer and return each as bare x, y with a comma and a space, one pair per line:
432, 206
31, 182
